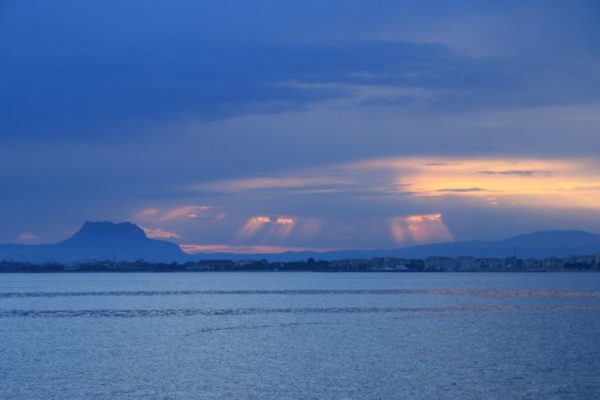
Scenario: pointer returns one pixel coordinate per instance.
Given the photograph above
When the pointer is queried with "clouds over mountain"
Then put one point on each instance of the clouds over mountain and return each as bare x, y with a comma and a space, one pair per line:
198, 118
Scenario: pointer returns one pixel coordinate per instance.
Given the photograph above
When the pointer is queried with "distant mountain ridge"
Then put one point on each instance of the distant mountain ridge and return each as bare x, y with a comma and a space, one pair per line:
99, 241
128, 242
532, 245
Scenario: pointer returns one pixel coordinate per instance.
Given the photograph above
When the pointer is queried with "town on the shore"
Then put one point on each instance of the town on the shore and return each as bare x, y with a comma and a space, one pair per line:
377, 264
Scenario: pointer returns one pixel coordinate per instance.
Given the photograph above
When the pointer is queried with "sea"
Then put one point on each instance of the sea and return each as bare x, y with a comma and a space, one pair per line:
285, 335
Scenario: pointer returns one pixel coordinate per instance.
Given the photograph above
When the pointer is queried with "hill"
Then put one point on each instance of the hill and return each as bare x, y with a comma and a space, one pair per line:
533, 245
98, 241
128, 242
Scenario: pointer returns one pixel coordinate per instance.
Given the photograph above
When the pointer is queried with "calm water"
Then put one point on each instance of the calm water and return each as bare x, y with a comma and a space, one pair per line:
300, 336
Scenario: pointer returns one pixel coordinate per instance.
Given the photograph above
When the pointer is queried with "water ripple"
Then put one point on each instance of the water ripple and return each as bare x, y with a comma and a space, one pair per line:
258, 327
189, 312
493, 293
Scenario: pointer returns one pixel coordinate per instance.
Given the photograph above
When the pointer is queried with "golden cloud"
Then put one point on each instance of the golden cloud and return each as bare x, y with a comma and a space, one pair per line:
420, 228
528, 182
158, 233
249, 249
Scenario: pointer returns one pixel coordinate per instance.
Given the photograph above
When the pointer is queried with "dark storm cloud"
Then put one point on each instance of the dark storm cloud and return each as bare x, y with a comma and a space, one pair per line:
80, 87
74, 70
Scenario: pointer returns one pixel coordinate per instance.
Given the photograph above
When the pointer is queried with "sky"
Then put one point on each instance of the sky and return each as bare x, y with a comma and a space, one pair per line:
268, 126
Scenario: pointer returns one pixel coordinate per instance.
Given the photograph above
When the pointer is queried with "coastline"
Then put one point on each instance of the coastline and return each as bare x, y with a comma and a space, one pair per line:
382, 265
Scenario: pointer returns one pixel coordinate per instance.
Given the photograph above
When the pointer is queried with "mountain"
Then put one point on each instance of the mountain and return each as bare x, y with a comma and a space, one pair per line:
98, 241
127, 242
532, 245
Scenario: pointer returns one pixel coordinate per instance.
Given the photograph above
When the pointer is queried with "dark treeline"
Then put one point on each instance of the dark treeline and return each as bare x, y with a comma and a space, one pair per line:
430, 264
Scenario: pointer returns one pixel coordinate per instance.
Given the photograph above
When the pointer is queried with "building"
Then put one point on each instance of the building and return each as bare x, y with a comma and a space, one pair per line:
440, 264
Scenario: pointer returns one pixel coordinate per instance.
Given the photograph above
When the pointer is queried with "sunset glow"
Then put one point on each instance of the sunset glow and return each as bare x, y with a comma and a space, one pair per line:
245, 249
426, 228
415, 190
253, 225
336, 133
552, 182
157, 233
274, 199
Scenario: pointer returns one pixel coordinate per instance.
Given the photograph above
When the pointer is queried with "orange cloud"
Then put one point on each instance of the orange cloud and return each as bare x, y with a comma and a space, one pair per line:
284, 221
147, 213
423, 228
191, 212
397, 230
28, 237
157, 233
172, 214
264, 183
283, 227
525, 181
253, 225
224, 248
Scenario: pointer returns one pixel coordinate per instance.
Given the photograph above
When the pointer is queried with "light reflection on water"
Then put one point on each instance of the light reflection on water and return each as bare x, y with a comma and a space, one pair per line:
300, 335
